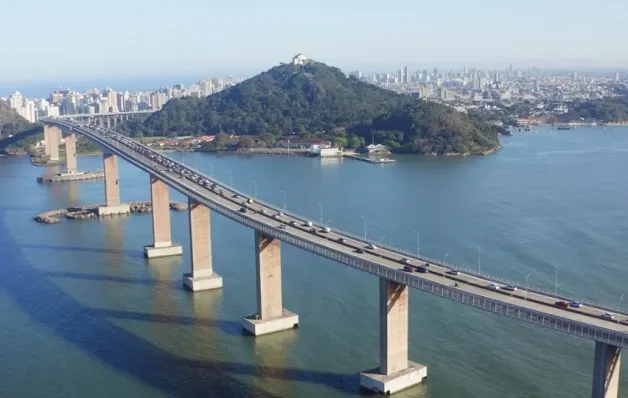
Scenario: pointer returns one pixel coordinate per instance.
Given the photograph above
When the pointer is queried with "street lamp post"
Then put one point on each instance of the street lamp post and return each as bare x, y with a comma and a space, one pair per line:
619, 304
381, 252
321, 206
364, 221
284, 199
556, 281
230, 178
479, 260
418, 244
527, 276
255, 188
212, 166
445, 258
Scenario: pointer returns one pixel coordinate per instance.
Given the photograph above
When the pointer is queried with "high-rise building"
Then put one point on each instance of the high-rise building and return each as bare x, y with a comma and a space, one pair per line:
406, 78
617, 76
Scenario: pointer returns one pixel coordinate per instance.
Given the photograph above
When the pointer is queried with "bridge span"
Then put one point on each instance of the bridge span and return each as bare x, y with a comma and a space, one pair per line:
396, 268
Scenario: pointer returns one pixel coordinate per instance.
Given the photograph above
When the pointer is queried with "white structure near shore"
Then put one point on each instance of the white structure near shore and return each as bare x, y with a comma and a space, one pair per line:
330, 152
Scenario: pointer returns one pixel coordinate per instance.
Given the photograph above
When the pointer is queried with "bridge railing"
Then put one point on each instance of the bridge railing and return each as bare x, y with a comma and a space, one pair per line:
406, 253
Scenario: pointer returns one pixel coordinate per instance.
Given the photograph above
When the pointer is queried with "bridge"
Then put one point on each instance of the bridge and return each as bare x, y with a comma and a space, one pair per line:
101, 119
396, 269
106, 119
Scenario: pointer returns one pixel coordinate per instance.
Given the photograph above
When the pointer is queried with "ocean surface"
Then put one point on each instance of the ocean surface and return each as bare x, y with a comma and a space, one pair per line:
83, 314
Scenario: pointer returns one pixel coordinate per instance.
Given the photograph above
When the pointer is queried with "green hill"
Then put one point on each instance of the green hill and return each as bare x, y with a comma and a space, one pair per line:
316, 100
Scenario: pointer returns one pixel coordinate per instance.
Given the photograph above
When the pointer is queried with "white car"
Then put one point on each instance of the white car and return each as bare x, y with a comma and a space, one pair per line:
371, 246
493, 286
607, 315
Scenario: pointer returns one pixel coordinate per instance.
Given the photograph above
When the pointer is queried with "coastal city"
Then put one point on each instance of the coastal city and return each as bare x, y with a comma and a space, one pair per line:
547, 93
332, 199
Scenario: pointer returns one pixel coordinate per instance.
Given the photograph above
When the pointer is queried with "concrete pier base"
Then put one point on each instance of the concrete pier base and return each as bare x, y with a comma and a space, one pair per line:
113, 210
173, 249
374, 381
257, 326
606, 371
196, 284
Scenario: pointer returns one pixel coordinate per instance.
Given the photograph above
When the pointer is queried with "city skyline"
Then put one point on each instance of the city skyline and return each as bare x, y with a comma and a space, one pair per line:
157, 39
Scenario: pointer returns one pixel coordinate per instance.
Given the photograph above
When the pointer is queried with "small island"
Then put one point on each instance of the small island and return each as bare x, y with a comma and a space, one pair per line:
305, 99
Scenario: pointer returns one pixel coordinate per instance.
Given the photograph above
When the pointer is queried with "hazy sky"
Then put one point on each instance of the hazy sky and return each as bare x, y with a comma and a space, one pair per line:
44, 40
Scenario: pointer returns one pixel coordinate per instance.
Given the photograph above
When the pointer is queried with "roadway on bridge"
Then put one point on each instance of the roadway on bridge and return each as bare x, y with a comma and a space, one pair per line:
437, 274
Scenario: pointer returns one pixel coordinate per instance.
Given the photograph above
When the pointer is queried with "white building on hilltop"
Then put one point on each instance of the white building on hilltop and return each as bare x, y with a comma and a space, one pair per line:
299, 59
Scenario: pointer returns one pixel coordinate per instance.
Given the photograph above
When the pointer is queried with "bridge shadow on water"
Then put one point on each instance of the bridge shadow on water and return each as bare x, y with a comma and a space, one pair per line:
129, 253
110, 278
126, 352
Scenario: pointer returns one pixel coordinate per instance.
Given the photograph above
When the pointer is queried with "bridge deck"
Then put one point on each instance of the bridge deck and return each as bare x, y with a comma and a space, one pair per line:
529, 306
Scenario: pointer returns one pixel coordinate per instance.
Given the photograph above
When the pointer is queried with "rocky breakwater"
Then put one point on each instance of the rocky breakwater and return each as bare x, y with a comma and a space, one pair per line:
91, 211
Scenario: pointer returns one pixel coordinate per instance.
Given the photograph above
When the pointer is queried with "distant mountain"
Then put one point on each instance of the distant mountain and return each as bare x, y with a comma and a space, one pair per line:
316, 100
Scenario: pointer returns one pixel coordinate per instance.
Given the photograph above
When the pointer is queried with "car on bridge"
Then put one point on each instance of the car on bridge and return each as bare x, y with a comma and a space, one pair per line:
493, 286
371, 246
608, 315
341, 240
422, 270
453, 272
404, 261
575, 304
562, 304
242, 210
511, 288
408, 268
358, 250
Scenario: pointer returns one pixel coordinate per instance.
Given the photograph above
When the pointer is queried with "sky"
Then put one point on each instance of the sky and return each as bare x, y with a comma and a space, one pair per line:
72, 40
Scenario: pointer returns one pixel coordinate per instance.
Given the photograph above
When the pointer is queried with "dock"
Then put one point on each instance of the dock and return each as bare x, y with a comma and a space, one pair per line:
370, 160
63, 177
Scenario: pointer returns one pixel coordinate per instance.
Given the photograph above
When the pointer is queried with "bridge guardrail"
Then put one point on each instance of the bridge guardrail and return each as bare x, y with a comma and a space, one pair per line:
491, 278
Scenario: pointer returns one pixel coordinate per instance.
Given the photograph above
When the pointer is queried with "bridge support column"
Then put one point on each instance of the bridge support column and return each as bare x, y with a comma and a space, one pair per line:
71, 166
202, 276
112, 188
606, 369
162, 241
395, 372
271, 316
52, 137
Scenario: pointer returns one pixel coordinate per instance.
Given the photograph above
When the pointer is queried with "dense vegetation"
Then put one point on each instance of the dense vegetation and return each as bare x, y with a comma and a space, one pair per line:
11, 122
604, 110
316, 100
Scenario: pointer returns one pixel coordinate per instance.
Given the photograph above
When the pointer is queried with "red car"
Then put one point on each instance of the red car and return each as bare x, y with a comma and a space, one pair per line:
563, 304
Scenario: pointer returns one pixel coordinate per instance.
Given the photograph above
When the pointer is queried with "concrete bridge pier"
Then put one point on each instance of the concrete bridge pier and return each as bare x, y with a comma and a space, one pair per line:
52, 138
606, 368
112, 188
162, 241
395, 372
71, 165
271, 316
202, 276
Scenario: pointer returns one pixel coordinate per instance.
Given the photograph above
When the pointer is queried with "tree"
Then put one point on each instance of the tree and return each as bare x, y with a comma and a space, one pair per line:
246, 142
341, 141
221, 140
355, 141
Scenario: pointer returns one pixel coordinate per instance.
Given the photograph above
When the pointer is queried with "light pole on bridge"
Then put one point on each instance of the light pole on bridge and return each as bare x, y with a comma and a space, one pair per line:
527, 276
381, 252
212, 166
619, 304
321, 207
479, 260
445, 258
285, 200
230, 179
555, 281
364, 222
255, 188
418, 244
